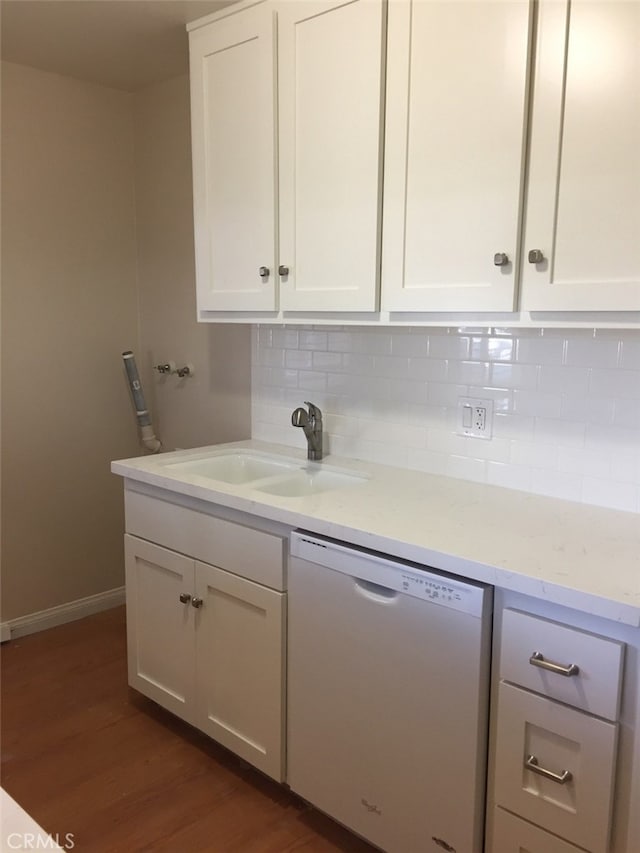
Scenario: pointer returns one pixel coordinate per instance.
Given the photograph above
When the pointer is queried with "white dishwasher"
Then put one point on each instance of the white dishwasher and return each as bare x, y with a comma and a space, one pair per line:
388, 688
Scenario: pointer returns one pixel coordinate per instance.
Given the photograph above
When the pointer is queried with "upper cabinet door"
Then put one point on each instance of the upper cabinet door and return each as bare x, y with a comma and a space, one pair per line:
583, 210
330, 118
455, 125
233, 140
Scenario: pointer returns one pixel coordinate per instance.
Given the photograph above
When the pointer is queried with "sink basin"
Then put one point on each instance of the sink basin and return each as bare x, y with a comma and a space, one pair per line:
310, 482
233, 468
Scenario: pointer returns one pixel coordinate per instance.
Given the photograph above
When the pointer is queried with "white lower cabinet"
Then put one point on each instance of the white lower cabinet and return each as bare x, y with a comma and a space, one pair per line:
562, 734
208, 645
554, 766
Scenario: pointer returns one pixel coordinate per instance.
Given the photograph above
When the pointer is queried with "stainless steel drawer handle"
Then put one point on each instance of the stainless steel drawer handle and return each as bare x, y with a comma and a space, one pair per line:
531, 763
537, 659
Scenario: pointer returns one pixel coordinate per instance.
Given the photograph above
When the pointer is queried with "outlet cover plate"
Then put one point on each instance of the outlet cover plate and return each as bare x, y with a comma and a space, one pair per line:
474, 417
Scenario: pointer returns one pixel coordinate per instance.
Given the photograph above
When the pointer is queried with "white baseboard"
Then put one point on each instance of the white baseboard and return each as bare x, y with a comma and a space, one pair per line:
69, 612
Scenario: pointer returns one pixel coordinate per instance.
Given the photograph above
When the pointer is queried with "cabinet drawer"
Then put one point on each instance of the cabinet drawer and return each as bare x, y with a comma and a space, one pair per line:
560, 739
595, 687
511, 834
244, 551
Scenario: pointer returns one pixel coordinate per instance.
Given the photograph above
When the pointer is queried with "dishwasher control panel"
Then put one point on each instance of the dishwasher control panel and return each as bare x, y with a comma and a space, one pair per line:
390, 573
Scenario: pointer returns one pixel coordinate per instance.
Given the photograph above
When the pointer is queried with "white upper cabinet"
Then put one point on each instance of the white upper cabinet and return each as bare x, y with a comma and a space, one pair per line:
454, 149
374, 159
329, 68
233, 142
330, 119
583, 211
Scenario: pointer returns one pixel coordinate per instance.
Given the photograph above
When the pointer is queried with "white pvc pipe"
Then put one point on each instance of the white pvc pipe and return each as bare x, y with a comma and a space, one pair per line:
147, 435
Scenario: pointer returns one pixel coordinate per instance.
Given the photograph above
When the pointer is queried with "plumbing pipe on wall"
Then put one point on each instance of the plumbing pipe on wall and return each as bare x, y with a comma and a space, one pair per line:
147, 435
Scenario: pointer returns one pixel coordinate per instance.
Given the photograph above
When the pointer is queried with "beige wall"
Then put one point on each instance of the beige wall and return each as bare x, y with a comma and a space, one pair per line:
213, 405
69, 309
97, 258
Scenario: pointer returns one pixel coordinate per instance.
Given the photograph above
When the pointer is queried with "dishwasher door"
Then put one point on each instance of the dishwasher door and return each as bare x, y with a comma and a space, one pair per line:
388, 685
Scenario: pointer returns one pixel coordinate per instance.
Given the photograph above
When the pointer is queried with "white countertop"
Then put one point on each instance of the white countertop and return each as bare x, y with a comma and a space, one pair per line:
576, 555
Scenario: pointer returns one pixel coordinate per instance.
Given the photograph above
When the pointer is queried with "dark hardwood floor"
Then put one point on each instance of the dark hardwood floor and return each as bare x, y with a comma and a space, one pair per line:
84, 754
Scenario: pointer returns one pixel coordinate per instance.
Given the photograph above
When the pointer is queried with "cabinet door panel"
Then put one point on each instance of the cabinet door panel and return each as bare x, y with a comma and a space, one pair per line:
160, 639
560, 739
240, 675
583, 209
453, 153
233, 127
330, 80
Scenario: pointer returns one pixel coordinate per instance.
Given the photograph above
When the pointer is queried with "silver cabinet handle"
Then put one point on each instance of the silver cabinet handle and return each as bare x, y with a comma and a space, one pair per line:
283, 270
535, 256
264, 272
537, 659
185, 598
196, 602
531, 763
500, 259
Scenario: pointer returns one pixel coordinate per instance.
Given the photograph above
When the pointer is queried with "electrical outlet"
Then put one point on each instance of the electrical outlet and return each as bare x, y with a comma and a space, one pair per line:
475, 417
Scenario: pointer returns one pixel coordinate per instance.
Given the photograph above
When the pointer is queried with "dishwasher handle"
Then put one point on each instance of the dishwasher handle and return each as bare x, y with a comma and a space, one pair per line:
375, 591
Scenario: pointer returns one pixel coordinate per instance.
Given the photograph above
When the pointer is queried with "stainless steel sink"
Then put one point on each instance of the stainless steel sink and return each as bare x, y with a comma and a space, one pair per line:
235, 468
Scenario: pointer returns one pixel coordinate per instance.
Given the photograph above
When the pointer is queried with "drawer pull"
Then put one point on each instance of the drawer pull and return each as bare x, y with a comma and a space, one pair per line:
531, 763
537, 659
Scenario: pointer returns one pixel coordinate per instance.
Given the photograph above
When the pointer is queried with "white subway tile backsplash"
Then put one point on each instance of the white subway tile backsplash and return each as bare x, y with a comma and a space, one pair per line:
514, 375
627, 414
540, 351
573, 380
534, 454
593, 410
468, 372
298, 359
448, 346
327, 361
285, 338
491, 349
312, 340
509, 476
312, 380
466, 468
630, 351
428, 369
519, 427
409, 344
587, 352
566, 402
615, 383
602, 492
537, 403
556, 484
556, 431
391, 366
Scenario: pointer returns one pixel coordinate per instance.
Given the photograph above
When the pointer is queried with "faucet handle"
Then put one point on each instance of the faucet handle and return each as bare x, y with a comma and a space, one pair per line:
299, 417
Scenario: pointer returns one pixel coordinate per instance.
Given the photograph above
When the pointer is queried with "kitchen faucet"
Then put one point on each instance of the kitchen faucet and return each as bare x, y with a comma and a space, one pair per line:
311, 423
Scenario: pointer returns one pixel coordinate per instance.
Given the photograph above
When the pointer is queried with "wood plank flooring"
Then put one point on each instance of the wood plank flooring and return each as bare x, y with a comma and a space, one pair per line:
85, 754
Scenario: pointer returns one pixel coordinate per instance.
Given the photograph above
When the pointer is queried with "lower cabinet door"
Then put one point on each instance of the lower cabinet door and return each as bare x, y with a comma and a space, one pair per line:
160, 637
240, 673
555, 767
513, 835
